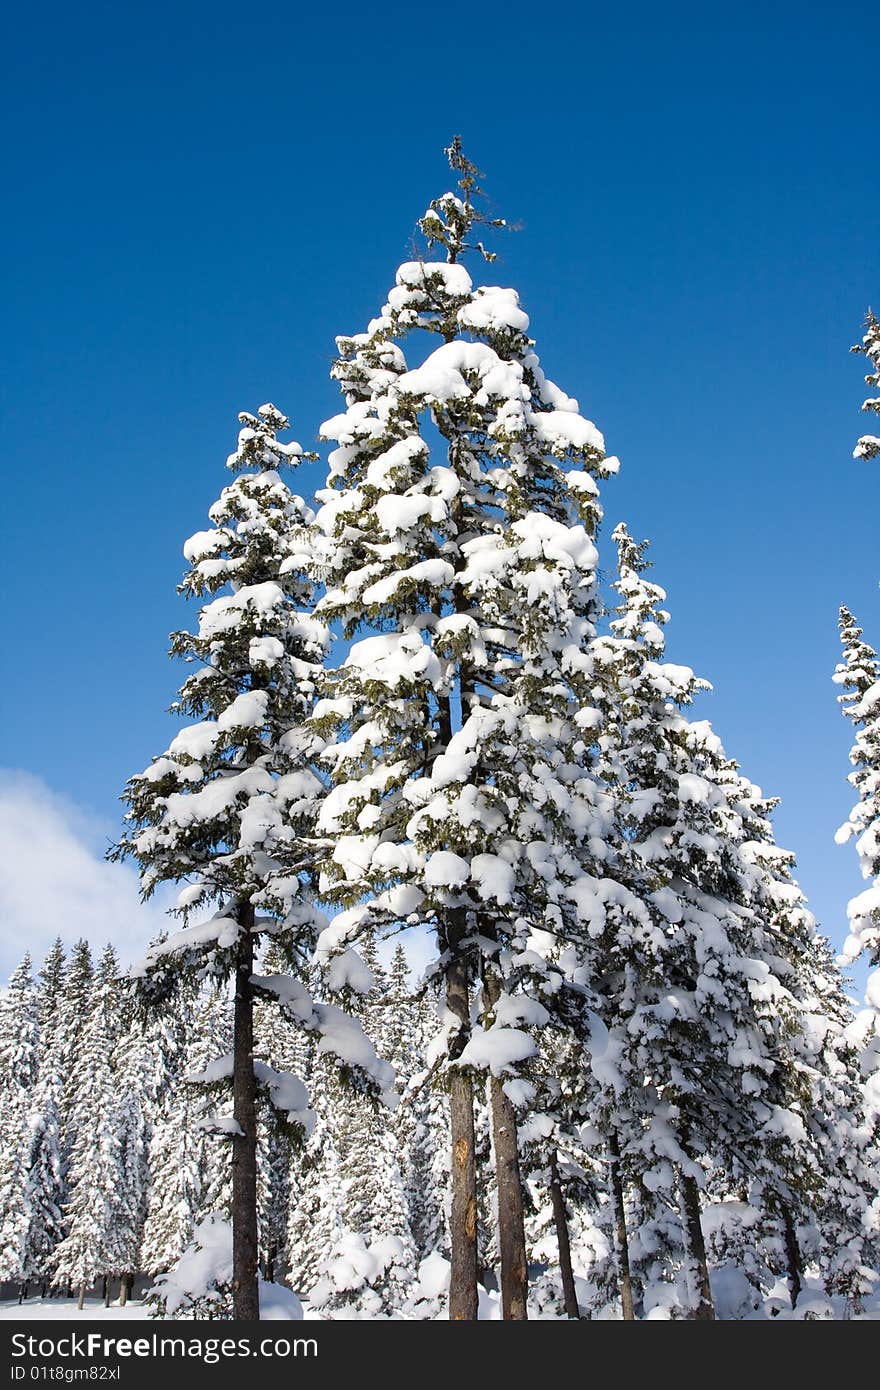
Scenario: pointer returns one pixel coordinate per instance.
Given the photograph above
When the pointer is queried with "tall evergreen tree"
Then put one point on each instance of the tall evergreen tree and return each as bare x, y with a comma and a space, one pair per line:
229, 806
444, 740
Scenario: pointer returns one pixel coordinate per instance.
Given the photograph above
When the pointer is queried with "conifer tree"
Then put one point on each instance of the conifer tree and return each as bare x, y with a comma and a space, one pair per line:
175, 1141
45, 1165
423, 1127
279, 1043
132, 1065
76, 1007
18, 1077
51, 1002
439, 752
19, 1053
706, 1003
92, 1244
868, 447
317, 1198
43, 1183
858, 673
229, 806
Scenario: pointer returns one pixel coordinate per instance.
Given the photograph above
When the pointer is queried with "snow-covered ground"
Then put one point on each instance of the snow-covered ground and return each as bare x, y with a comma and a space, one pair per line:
811, 1307
52, 1309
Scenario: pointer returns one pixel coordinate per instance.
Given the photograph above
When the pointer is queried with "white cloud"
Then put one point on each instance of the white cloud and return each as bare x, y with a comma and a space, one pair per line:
54, 880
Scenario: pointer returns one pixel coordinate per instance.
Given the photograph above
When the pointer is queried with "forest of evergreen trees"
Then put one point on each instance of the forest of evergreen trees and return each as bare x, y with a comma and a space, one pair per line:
630, 1082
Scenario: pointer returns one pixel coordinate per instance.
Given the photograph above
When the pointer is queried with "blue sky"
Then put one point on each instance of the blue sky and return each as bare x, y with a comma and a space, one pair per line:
199, 198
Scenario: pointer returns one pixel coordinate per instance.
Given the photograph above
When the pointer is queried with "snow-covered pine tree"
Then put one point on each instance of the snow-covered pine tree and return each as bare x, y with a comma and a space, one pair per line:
372, 1150
45, 1168
818, 1172
175, 1141
51, 988
280, 1043
18, 1078
559, 1178
858, 673
351, 1244
229, 806
44, 1184
706, 1000
450, 526
868, 447
317, 1197
75, 1006
133, 1066
400, 1017
19, 1031
408, 1027
423, 1126
92, 1246
212, 1037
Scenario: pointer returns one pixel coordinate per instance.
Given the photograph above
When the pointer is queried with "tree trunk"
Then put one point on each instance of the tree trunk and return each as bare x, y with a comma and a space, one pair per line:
81, 1302
698, 1270
125, 1286
245, 1289
105, 1290
511, 1225
463, 1301
792, 1256
560, 1221
22, 1293
621, 1239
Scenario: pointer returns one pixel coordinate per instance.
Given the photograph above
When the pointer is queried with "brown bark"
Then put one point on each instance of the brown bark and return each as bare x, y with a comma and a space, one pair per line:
126, 1284
560, 1221
511, 1225
699, 1270
106, 1290
81, 1301
245, 1290
792, 1256
463, 1300
621, 1239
